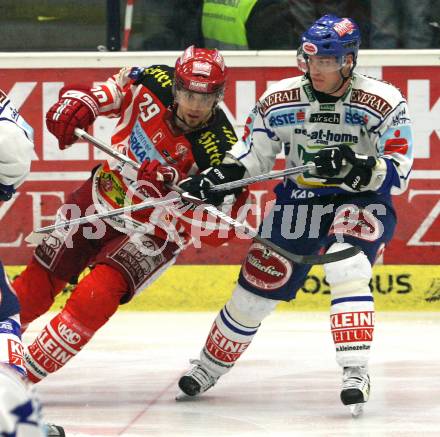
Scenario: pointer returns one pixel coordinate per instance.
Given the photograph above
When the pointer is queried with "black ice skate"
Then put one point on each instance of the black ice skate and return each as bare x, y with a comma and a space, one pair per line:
54, 430
196, 381
355, 388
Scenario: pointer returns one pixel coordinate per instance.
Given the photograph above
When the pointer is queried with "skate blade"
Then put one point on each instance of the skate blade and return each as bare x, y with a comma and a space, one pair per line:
182, 397
356, 409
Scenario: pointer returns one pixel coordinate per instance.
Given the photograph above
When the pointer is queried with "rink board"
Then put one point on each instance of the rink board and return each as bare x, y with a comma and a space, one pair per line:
206, 288
34, 81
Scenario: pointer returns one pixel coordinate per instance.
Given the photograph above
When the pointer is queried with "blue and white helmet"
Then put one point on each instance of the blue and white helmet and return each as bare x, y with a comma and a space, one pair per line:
331, 36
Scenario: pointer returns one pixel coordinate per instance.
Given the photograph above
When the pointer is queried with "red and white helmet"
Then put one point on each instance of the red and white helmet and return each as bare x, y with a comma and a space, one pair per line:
201, 70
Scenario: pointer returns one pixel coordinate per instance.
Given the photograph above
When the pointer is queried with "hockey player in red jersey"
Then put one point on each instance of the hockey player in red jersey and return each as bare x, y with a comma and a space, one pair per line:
170, 123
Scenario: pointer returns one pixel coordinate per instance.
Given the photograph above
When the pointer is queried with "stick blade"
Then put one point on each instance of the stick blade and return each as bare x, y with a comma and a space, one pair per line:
330, 257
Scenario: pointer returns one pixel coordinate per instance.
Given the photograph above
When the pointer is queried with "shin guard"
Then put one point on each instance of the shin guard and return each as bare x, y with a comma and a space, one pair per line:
61, 339
352, 308
93, 302
233, 330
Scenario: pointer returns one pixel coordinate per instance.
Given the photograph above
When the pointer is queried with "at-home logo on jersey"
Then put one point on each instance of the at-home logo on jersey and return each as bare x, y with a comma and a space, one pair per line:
326, 137
325, 117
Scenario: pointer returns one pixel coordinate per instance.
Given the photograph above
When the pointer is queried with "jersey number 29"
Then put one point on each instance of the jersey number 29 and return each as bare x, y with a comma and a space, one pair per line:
148, 109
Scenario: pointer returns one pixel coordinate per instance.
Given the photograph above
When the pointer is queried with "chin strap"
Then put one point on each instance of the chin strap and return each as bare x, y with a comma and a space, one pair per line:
344, 80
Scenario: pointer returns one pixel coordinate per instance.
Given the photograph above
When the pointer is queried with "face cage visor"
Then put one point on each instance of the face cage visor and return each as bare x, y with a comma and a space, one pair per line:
325, 64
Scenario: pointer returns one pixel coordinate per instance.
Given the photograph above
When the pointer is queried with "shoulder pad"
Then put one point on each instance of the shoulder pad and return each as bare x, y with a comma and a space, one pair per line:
163, 75
136, 73
157, 78
380, 96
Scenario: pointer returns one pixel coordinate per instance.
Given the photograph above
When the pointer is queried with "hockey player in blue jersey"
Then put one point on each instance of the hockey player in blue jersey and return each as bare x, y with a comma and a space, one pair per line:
20, 412
356, 131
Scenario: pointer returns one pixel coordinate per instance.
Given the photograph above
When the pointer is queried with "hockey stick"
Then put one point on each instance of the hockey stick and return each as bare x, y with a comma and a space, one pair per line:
220, 187
246, 230
263, 177
80, 133
171, 198
300, 259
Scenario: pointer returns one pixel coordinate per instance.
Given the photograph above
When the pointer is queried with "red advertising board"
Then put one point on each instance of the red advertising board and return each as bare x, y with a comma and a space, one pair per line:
55, 173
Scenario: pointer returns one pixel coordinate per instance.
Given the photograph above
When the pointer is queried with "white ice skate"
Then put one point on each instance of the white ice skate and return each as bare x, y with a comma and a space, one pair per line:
196, 381
355, 389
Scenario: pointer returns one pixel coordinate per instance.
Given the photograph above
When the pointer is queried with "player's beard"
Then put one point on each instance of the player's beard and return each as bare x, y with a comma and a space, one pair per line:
188, 124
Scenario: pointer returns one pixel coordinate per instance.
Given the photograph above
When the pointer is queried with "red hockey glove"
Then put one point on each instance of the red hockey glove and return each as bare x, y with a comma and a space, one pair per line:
75, 108
155, 178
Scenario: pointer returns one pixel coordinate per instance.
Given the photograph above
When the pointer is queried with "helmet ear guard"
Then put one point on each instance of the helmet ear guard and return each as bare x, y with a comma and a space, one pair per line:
301, 60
